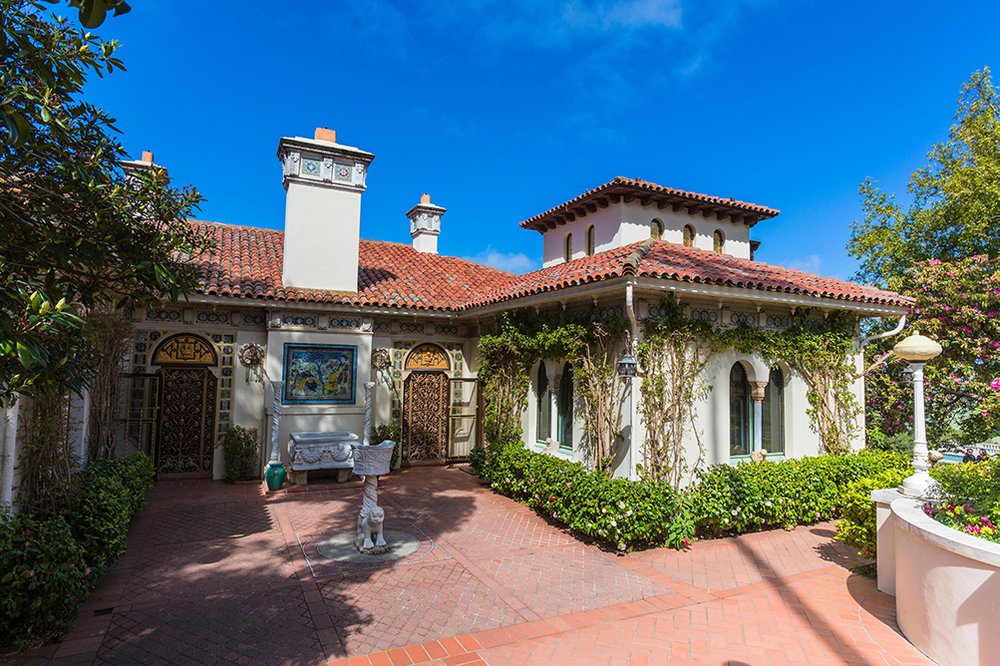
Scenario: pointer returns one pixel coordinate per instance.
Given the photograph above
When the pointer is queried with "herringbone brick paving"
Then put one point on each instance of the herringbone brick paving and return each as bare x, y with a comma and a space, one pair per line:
214, 574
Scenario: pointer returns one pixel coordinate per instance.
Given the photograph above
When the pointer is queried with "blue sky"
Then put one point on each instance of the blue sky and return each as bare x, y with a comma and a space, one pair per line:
503, 108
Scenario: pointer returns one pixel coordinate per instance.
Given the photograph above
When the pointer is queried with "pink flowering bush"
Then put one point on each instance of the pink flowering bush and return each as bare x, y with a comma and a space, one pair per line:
964, 518
957, 304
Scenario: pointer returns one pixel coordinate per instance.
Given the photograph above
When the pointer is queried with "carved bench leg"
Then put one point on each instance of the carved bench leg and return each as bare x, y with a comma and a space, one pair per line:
344, 475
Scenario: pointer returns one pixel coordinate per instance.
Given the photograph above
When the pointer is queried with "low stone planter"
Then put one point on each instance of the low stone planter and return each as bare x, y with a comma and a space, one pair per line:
947, 587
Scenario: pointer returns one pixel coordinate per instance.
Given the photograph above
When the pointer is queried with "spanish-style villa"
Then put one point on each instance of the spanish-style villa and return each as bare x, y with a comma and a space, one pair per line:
323, 302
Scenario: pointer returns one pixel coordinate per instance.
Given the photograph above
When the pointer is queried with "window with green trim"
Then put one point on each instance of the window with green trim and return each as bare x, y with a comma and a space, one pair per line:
566, 408
543, 425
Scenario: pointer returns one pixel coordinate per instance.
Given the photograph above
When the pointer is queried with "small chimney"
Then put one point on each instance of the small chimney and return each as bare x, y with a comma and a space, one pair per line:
324, 134
425, 225
132, 167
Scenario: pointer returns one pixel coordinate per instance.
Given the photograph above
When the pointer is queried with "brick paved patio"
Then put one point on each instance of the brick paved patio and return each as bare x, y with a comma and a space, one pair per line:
218, 574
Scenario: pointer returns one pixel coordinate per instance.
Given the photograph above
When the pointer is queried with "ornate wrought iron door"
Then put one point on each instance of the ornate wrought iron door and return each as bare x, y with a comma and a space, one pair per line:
425, 416
187, 422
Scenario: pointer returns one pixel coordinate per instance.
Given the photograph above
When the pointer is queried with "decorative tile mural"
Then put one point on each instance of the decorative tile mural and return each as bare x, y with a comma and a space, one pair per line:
319, 374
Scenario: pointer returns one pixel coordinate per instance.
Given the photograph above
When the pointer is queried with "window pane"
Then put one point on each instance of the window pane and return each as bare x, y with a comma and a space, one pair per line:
774, 413
566, 408
543, 427
739, 412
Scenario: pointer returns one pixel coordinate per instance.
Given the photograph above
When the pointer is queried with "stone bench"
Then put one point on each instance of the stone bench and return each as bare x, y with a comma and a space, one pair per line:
321, 450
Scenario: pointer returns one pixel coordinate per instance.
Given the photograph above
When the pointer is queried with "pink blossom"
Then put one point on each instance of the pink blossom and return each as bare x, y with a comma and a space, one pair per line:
995, 384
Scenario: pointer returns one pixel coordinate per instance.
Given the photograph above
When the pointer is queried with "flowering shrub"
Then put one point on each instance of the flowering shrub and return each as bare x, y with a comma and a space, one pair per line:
977, 484
856, 526
958, 304
47, 566
964, 518
623, 514
746, 497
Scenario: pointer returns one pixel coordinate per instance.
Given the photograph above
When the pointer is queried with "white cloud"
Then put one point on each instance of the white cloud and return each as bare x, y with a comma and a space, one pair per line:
514, 262
810, 264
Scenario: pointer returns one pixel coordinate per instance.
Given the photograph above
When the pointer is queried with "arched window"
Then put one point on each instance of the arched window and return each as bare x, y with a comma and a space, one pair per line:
773, 426
568, 250
656, 230
740, 410
688, 235
590, 240
566, 408
543, 427
718, 241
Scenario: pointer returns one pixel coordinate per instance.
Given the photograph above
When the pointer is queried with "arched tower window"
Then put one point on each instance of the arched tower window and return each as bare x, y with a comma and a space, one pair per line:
688, 235
590, 240
656, 230
740, 411
566, 408
543, 428
568, 249
718, 241
773, 426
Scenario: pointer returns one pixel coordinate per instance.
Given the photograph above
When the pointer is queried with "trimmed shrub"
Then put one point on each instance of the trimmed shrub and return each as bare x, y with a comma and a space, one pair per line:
856, 526
240, 454
44, 577
621, 513
747, 497
101, 521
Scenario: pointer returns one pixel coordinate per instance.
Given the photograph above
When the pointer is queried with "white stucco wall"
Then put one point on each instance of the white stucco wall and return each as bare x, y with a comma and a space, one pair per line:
322, 230
622, 224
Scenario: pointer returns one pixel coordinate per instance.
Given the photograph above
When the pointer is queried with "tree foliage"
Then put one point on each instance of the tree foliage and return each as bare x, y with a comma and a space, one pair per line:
955, 207
957, 304
78, 232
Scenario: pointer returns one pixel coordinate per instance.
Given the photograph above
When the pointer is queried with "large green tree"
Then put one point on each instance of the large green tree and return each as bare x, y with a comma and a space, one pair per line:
954, 208
76, 232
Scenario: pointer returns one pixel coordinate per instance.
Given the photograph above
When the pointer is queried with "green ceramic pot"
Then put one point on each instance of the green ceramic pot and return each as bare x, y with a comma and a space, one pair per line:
274, 476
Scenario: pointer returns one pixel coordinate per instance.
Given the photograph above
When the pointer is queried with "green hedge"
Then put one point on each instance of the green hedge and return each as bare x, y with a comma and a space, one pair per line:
747, 497
726, 499
621, 513
857, 524
48, 566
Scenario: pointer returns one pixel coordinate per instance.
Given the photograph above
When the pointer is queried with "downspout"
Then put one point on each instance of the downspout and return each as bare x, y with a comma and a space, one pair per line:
633, 332
879, 336
10, 415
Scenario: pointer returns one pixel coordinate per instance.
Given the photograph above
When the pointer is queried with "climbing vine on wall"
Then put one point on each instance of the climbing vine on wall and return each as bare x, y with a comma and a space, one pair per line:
523, 338
673, 354
675, 351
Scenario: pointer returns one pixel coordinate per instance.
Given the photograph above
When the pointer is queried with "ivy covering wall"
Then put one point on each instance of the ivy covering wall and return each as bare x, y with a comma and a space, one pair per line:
673, 354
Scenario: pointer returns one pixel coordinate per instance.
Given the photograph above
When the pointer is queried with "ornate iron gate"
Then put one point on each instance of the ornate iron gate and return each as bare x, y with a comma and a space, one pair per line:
187, 421
425, 416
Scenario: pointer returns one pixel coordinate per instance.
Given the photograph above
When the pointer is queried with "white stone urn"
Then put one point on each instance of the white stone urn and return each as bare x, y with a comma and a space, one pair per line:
373, 460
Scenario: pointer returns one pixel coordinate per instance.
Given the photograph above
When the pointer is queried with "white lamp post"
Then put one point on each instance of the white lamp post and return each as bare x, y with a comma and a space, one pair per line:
918, 349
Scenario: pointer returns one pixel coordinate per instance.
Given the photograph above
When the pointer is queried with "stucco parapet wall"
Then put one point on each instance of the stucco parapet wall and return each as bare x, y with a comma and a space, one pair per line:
911, 518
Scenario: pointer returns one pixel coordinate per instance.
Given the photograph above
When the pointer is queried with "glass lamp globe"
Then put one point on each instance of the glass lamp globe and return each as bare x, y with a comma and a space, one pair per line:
916, 348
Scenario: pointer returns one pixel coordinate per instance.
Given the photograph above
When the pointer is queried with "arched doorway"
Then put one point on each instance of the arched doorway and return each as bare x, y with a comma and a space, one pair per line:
425, 404
186, 419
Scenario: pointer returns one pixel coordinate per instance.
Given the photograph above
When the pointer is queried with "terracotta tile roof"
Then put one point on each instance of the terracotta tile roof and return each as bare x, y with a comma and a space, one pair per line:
247, 263
628, 189
664, 260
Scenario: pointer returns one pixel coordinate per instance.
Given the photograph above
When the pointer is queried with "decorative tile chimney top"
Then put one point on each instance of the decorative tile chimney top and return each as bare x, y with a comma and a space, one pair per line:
425, 224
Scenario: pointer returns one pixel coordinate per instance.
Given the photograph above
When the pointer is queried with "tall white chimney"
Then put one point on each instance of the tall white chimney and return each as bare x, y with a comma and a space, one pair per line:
324, 181
425, 225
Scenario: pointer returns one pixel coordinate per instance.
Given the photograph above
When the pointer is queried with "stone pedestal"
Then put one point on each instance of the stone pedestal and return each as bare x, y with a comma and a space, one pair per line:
885, 539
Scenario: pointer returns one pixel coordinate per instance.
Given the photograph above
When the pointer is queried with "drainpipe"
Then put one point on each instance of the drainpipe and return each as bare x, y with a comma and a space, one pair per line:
879, 336
9, 453
633, 334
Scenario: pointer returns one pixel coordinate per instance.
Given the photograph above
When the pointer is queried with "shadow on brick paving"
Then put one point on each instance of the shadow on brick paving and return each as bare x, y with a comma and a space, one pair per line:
211, 576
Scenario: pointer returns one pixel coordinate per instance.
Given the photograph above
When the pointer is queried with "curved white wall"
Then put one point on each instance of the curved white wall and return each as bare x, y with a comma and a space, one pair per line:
947, 588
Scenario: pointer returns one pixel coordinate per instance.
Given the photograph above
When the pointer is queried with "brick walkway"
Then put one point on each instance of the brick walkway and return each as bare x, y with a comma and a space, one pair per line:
217, 574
